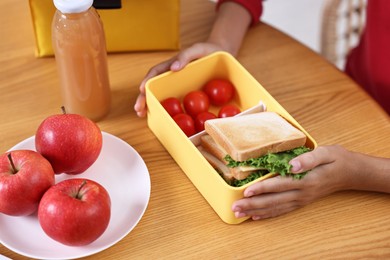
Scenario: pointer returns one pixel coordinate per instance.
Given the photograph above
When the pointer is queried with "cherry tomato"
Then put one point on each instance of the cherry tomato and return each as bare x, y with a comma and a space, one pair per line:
201, 118
195, 102
219, 91
172, 105
228, 111
186, 123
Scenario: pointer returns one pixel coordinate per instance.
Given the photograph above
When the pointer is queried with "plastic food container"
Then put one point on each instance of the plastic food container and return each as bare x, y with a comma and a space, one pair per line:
250, 96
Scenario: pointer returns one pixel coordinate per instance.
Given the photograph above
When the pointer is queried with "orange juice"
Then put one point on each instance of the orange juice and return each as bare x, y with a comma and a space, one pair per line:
80, 52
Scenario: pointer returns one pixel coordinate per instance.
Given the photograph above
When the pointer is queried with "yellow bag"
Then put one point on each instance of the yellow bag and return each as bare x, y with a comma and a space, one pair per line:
139, 25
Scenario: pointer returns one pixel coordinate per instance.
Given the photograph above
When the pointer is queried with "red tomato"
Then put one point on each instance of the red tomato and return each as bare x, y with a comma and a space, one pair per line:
172, 105
228, 111
195, 102
201, 118
186, 123
219, 91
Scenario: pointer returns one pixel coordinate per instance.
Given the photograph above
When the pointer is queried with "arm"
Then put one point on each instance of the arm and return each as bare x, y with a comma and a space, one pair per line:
227, 33
333, 169
231, 24
356, 171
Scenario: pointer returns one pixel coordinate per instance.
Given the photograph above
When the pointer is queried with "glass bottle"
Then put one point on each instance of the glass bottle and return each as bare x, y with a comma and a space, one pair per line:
81, 56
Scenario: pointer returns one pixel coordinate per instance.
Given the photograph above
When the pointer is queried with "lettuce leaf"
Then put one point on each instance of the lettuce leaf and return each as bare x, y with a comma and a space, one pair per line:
273, 162
253, 176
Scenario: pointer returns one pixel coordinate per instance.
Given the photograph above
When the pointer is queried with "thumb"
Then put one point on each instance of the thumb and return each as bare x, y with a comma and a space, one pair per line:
310, 160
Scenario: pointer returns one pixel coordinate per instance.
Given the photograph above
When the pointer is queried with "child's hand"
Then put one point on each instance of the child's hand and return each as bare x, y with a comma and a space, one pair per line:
176, 63
331, 167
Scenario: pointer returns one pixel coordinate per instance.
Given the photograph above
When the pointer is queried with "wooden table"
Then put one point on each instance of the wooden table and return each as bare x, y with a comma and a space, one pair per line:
179, 223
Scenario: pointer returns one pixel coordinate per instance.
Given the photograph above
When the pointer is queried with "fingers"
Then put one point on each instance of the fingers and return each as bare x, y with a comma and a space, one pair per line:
310, 160
173, 64
140, 104
176, 63
267, 205
272, 197
196, 51
273, 185
279, 195
154, 71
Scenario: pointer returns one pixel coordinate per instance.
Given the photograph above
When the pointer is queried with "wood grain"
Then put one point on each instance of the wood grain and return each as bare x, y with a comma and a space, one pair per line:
179, 223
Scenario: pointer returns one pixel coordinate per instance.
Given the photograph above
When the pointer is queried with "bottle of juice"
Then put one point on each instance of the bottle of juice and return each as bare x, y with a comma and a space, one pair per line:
81, 56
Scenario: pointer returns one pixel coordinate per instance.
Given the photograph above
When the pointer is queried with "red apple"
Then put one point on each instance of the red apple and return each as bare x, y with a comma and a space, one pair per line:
75, 212
70, 142
25, 176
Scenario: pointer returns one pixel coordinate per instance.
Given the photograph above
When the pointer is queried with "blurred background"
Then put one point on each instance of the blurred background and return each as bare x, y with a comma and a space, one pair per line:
329, 27
300, 19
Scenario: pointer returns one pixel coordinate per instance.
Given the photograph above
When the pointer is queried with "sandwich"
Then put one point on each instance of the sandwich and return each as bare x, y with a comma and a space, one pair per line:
252, 146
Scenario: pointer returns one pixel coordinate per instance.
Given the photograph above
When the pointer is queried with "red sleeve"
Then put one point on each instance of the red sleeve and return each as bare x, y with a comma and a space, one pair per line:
368, 64
254, 7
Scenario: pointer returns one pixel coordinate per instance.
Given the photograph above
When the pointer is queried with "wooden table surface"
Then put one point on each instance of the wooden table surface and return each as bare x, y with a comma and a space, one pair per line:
179, 223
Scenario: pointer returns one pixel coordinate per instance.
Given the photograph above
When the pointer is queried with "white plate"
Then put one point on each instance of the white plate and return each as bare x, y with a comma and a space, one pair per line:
121, 170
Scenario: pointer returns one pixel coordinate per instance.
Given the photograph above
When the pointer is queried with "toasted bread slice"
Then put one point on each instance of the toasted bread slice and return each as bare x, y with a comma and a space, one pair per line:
207, 142
218, 154
217, 164
227, 173
254, 135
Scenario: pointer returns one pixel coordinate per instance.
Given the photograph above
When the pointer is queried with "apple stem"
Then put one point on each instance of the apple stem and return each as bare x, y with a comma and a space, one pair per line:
78, 195
14, 170
63, 109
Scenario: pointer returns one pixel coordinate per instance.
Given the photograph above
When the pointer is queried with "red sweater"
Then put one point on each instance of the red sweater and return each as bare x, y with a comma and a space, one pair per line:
369, 63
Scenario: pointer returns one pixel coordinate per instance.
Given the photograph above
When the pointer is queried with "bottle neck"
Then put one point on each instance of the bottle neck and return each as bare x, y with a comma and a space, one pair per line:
73, 16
